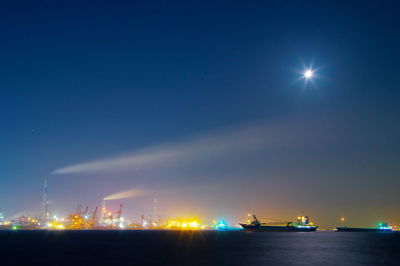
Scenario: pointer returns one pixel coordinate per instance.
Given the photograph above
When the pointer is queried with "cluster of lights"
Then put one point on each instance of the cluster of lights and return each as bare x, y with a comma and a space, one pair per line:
20, 222
55, 225
113, 221
302, 222
384, 227
220, 225
303, 219
192, 224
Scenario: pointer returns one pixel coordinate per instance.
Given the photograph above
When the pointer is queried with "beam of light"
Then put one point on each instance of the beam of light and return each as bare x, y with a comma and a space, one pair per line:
249, 137
120, 162
131, 193
215, 145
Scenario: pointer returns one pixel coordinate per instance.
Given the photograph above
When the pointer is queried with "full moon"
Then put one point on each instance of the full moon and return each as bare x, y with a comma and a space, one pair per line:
308, 74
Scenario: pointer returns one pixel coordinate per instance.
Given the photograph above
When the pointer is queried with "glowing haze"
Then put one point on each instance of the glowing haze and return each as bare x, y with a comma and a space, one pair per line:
274, 155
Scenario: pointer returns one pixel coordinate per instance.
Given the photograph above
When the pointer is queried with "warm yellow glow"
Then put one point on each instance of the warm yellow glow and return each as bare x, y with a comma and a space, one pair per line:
194, 224
187, 223
55, 225
172, 224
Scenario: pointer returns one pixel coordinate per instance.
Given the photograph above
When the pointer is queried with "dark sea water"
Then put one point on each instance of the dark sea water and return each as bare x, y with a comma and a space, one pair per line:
197, 248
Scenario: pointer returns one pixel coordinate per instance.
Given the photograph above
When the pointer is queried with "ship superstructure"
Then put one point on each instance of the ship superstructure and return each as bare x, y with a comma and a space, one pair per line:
302, 224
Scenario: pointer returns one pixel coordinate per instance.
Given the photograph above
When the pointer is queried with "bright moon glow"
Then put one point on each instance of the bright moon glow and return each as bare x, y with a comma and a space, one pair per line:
308, 74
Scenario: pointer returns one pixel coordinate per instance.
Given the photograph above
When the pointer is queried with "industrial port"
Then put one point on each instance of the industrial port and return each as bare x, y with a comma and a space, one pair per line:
103, 218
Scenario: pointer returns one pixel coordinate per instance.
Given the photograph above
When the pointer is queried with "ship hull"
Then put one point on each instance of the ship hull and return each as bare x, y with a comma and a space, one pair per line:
354, 229
274, 228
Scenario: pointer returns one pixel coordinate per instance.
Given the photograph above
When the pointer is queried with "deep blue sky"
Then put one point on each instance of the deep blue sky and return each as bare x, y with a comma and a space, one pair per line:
88, 80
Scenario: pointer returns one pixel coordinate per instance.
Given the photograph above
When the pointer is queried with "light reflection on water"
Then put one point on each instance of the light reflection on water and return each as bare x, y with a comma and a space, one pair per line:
198, 248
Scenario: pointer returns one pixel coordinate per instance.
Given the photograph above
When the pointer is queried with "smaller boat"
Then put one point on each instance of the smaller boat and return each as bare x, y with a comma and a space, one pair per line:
301, 225
381, 227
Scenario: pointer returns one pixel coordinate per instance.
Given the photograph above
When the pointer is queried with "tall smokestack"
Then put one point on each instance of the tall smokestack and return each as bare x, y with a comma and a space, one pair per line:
44, 213
103, 209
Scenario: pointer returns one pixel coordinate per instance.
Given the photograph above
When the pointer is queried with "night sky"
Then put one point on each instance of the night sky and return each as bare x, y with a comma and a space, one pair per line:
202, 105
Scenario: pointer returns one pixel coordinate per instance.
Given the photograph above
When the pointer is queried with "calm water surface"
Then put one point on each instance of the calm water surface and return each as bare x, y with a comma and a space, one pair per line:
197, 248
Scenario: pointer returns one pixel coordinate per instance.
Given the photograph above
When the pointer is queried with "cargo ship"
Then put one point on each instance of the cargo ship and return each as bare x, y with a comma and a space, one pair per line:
382, 227
301, 225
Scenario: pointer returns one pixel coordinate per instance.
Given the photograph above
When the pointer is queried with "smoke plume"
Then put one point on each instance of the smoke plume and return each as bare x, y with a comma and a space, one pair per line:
131, 193
222, 144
